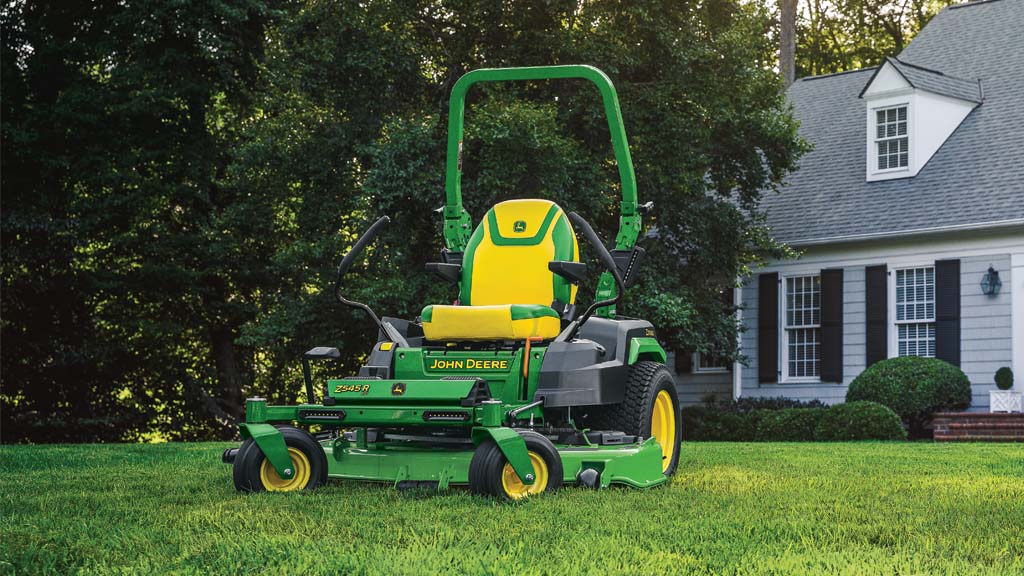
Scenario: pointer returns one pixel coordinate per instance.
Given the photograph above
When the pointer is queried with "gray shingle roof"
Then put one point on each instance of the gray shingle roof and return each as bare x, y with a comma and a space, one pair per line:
975, 179
937, 82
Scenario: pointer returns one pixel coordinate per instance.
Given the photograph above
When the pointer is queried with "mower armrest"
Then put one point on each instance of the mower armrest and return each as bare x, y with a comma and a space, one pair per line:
450, 273
575, 272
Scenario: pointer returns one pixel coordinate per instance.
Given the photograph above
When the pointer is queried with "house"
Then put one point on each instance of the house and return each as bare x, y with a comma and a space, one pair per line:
912, 196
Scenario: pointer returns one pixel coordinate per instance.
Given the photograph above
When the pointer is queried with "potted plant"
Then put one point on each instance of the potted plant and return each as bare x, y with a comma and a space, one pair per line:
1005, 399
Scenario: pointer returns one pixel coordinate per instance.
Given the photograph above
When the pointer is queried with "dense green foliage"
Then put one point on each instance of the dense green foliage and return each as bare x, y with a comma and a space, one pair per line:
1004, 378
785, 420
861, 420
789, 425
180, 177
840, 35
914, 388
864, 508
735, 420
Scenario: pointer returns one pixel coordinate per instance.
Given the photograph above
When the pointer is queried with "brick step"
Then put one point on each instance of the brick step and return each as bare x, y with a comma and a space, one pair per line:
978, 415
979, 438
986, 432
981, 425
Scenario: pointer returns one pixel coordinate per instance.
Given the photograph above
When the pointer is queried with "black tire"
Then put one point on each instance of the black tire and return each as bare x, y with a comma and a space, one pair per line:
487, 468
250, 475
634, 414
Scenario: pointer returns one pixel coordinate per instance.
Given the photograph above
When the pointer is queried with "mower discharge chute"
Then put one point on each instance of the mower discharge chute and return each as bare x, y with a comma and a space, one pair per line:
513, 391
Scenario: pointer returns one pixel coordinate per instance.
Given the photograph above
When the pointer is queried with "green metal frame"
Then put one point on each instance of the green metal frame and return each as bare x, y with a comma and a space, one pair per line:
457, 222
645, 347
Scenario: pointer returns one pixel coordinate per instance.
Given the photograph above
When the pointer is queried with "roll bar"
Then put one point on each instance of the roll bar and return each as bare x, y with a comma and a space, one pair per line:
457, 223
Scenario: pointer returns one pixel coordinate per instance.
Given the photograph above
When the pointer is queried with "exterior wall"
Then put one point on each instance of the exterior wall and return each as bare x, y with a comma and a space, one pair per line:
694, 387
986, 338
986, 329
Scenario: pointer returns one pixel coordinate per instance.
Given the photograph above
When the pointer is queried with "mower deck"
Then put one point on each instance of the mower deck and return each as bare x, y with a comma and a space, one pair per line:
637, 464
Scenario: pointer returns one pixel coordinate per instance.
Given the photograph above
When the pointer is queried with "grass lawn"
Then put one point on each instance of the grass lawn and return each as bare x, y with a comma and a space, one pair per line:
857, 508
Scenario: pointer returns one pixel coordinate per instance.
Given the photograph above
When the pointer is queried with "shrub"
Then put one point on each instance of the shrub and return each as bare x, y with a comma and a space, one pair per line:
734, 420
914, 388
860, 420
709, 423
789, 425
745, 405
1004, 378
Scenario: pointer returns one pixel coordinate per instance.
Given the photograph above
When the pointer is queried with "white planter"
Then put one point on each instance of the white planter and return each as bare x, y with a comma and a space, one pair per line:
1004, 401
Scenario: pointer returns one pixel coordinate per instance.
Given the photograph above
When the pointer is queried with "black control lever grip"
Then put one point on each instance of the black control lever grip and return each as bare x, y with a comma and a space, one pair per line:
606, 258
360, 244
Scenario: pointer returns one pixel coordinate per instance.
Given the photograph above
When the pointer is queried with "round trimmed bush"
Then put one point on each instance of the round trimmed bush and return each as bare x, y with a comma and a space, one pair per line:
788, 425
1004, 378
912, 387
861, 420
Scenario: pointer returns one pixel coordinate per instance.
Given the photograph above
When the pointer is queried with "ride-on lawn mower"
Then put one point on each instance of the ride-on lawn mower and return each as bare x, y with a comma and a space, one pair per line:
511, 391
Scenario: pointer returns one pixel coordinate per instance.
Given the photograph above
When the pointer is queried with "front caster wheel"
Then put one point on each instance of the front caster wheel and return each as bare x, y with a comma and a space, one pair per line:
491, 474
254, 473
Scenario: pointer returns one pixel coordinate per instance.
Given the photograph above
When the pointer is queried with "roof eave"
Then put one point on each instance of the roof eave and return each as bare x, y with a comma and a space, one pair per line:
901, 234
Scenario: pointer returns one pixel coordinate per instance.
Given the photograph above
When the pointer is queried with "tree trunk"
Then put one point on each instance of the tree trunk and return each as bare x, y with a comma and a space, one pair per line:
787, 40
229, 373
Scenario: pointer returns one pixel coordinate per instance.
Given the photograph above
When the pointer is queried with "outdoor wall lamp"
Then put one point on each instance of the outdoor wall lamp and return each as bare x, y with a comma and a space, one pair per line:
990, 282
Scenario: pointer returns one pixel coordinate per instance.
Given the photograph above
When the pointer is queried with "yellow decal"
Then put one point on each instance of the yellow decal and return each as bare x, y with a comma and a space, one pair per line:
467, 364
364, 388
649, 332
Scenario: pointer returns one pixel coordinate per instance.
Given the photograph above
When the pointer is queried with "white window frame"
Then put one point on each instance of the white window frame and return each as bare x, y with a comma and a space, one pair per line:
874, 139
893, 328
783, 360
696, 367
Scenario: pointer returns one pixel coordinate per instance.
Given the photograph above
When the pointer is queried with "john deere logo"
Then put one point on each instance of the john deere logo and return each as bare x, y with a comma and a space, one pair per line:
398, 388
519, 226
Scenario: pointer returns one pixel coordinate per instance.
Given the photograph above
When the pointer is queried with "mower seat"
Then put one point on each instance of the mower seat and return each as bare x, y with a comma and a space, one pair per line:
506, 290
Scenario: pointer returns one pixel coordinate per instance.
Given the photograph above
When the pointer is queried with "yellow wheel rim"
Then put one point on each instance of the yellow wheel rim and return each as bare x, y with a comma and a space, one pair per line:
515, 488
663, 427
273, 482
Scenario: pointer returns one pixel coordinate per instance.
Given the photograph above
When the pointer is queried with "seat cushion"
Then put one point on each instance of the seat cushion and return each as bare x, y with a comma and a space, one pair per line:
500, 322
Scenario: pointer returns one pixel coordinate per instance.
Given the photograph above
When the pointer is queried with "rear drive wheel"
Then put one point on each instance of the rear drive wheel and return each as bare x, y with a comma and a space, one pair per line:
490, 472
650, 408
254, 473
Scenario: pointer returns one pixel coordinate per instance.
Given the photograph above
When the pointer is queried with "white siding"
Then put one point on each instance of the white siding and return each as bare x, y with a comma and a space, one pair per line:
693, 388
985, 336
985, 321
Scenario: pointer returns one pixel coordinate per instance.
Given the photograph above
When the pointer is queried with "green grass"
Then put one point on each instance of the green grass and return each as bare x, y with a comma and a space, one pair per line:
857, 508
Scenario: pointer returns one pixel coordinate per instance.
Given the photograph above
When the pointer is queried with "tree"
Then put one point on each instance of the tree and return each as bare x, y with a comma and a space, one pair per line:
787, 40
119, 307
181, 178
839, 35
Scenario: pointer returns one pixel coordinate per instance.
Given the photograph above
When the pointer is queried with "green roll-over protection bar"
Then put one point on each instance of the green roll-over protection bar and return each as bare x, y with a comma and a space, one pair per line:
457, 222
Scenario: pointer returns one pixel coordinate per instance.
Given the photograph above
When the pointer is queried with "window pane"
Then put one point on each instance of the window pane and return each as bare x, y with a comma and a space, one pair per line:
803, 313
915, 302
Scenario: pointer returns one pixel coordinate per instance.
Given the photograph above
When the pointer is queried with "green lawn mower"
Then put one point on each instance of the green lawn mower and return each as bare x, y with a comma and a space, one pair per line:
510, 391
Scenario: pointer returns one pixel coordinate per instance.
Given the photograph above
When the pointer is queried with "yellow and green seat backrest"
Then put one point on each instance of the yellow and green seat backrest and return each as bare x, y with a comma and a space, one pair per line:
506, 259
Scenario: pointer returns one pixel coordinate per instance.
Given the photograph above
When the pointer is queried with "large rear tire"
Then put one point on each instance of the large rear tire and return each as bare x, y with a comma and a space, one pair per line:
650, 408
491, 474
254, 473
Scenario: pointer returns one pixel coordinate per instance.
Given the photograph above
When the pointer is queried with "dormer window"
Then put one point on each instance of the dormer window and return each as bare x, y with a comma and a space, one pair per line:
907, 104
891, 139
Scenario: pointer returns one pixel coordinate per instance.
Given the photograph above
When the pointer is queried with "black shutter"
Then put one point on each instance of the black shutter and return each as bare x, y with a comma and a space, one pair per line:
877, 312
684, 362
832, 325
947, 311
768, 328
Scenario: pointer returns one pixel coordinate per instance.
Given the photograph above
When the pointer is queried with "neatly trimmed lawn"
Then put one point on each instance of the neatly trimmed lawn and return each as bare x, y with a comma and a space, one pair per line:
906, 508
